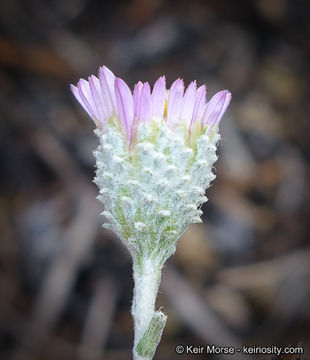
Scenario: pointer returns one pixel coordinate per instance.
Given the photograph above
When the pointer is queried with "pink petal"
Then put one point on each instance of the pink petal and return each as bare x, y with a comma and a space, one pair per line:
159, 98
216, 108
86, 96
189, 104
75, 92
175, 99
95, 89
125, 105
200, 103
136, 98
145, 104
107, 79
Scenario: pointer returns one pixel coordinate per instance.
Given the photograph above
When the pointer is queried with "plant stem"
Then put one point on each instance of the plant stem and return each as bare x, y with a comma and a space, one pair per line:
148, 323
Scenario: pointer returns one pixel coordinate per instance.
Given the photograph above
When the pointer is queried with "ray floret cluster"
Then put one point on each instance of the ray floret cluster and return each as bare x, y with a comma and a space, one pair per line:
107, 96
154, 162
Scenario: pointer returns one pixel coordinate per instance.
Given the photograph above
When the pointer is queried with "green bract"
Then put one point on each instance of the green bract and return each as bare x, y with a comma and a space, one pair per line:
153, 190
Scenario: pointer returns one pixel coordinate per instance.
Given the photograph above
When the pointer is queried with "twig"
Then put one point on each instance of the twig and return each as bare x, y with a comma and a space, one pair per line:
99, 319
196, 314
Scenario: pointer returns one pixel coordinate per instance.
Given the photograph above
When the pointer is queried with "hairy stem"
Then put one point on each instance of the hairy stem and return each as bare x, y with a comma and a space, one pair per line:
148, 323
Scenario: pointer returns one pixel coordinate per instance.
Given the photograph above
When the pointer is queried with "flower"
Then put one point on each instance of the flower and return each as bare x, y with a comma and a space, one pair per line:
154, 162
107, 96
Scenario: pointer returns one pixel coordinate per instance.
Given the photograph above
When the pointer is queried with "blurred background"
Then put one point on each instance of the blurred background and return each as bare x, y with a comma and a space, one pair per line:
242, 277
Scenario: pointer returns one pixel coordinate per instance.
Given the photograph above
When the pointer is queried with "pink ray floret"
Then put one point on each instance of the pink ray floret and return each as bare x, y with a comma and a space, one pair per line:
159, 94
108, 96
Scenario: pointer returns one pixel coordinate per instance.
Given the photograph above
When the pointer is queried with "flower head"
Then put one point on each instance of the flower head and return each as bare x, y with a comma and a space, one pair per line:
108, 97
154, 162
